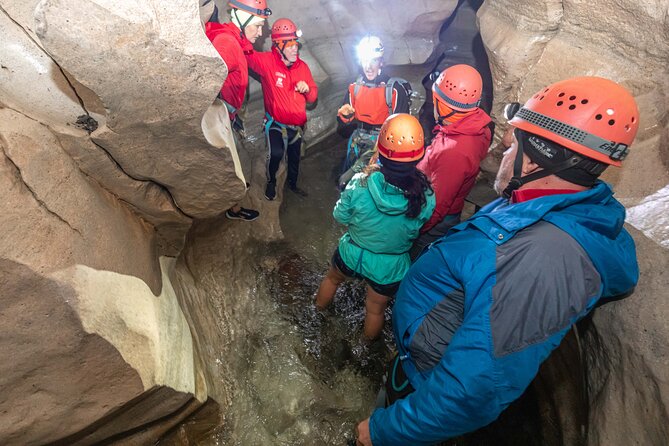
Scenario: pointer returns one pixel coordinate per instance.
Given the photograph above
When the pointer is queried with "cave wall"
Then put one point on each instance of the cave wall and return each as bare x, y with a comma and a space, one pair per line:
533, 43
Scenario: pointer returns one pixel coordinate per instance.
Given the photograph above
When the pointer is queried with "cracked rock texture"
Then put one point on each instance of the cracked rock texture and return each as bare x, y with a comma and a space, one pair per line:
533, 43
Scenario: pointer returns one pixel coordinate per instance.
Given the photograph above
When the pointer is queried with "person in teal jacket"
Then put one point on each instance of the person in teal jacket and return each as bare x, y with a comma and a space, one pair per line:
384, 208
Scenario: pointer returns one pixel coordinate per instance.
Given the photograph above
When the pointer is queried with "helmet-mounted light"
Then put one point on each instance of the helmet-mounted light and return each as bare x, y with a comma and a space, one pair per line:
368, 49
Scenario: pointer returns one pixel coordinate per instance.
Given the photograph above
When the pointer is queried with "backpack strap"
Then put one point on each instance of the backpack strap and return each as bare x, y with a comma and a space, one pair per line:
390, 85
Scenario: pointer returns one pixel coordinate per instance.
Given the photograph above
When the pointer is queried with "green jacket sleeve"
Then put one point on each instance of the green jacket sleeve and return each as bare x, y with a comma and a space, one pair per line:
343, 210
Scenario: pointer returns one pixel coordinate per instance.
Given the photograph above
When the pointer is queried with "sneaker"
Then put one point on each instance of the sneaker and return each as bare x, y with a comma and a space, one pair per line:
270, 191
243, 214
296, 190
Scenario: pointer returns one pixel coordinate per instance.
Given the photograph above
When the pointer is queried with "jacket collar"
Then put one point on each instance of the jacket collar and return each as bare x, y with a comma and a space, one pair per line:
500, 220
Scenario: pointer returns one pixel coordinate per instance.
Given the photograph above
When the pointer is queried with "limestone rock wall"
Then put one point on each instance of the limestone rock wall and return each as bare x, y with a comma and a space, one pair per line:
533, 43
103, 165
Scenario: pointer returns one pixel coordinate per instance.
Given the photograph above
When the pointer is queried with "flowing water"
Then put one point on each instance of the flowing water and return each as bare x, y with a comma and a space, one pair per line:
298, 377
289, 375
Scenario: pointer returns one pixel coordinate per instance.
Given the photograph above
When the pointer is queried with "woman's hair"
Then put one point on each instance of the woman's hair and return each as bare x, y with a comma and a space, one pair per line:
405, 176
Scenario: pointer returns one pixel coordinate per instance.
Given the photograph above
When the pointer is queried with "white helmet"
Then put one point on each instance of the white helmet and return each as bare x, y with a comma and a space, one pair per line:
369, 48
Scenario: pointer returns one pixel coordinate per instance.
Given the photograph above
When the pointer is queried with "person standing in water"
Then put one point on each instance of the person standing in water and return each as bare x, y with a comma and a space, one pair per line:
384, 208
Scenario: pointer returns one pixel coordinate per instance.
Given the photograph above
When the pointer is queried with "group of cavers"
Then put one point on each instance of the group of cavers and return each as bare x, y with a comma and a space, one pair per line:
478, 304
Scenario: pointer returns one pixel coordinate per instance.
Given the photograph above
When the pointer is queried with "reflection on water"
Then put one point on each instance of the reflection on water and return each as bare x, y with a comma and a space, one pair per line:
309, 378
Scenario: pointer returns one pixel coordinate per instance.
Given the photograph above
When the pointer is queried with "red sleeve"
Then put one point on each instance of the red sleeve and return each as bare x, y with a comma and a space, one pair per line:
447, 174
258, 61
226, 49
312, 95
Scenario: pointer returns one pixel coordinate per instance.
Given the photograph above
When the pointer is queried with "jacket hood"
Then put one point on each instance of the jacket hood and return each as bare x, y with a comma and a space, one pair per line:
473, 125
387, 198
592, 217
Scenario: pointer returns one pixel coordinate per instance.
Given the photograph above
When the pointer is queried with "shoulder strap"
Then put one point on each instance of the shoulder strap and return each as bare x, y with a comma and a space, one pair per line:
390, 85
358, 84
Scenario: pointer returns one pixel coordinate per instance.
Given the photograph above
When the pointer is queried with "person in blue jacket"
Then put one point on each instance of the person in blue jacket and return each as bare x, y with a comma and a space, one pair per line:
384, 208
485, 305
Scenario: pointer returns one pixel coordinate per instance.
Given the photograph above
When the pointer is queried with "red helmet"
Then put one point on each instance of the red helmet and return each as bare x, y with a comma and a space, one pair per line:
256, 7
459, 87
401, 138
592, 116
284, 30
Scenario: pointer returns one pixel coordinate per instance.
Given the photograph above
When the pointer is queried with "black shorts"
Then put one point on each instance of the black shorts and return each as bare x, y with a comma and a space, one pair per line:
388, 290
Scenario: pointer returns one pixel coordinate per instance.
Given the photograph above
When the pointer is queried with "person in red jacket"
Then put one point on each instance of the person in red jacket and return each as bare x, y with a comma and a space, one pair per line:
287, 86
247, 18
461, 141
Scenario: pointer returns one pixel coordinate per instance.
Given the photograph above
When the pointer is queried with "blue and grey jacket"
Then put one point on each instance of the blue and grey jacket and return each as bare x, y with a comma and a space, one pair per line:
478, 312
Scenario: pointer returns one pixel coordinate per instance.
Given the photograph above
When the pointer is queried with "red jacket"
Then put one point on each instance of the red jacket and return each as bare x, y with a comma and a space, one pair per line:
228, 42
282, 101
452, 161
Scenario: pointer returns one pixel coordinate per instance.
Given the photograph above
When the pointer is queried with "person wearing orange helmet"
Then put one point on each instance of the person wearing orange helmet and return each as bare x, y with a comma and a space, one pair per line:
287, 86
461, 141
247, 18
369, 100
484, 306
383, 207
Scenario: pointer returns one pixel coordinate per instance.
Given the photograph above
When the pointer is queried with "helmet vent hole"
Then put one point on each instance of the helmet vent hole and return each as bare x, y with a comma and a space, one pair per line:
572, 106
627, 127
610, 112
560, 103
546, 90
612, 121
571, 98
584, 101
598, 117
633, 119
560, 95
541, 98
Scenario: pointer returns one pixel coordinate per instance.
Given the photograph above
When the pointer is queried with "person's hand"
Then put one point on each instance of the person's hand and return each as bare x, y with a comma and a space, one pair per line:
362, 437
346, 113
302, 87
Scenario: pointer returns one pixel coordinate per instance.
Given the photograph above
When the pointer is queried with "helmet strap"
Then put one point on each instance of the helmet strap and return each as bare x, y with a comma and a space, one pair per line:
281, 47
518, 180
242, 26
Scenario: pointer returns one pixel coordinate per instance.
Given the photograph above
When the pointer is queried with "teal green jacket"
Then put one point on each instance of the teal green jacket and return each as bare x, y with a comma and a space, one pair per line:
379, 234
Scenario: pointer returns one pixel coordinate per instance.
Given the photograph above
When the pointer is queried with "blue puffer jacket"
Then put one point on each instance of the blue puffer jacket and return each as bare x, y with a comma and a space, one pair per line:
478, 312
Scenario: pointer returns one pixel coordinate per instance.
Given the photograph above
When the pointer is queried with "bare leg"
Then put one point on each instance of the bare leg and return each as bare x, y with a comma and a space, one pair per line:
328, 287
375, 306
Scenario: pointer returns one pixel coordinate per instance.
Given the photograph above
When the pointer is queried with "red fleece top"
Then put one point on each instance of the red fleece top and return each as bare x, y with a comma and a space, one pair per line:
228, 42
452, 161
282, 101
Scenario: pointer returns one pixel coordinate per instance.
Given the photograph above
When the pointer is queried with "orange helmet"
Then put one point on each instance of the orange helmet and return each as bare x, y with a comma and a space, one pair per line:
459, 88
285, 30
401, 138
255, 7
592, 116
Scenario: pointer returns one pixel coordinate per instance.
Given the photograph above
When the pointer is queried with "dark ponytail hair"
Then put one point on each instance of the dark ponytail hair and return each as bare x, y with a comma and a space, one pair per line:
407, 177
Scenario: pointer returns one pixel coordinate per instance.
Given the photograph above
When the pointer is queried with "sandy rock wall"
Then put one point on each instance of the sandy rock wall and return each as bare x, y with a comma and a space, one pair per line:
103, 165
531, 44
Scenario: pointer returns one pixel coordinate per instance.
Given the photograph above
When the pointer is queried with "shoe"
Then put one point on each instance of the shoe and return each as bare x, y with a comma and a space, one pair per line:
243, 214
296, 190
270, 191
